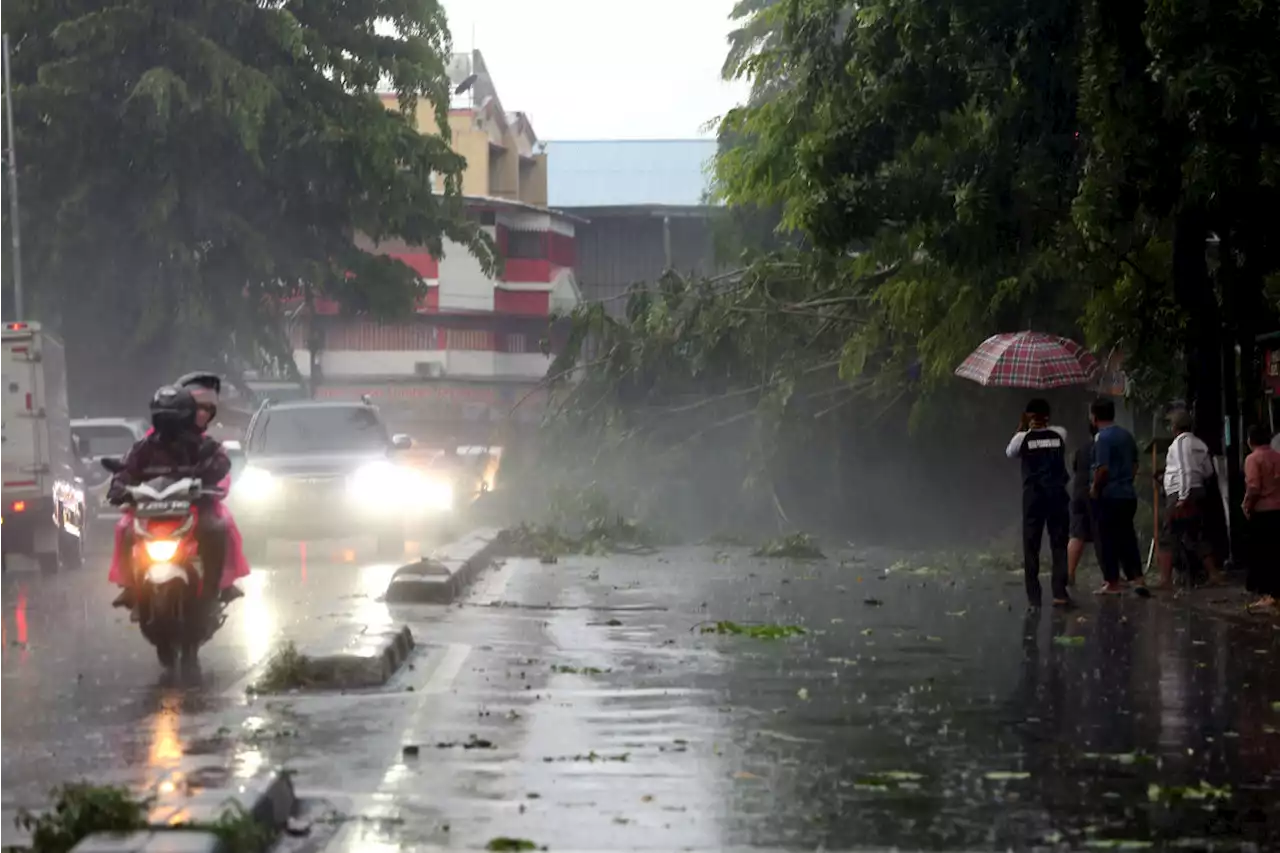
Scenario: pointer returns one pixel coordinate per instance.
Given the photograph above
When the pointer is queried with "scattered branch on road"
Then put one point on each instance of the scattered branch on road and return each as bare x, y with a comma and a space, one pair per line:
600, 536
754, 631
798, 546
578, 670
286, 669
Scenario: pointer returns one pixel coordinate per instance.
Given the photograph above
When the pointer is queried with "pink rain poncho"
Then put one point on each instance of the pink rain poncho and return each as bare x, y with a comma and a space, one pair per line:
236, 566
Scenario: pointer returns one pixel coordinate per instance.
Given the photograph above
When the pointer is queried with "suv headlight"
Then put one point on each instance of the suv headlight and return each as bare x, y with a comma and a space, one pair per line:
255, 484
378, 482
435, 494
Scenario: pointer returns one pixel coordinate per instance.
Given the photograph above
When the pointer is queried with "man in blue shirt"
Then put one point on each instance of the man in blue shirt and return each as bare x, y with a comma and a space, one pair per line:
1115, 462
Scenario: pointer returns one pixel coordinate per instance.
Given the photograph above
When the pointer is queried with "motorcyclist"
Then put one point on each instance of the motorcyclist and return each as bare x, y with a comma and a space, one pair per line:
206, 387
175, 441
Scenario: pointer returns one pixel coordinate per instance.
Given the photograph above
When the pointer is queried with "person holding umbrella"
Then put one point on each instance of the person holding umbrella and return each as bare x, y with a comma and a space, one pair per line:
1043, 451
1039, 361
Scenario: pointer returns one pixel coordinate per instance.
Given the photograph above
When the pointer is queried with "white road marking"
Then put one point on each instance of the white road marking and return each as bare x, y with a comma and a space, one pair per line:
494, 583
446, 671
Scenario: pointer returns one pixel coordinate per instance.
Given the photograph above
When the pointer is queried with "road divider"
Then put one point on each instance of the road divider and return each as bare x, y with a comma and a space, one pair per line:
441, 578
366, 660
215, 812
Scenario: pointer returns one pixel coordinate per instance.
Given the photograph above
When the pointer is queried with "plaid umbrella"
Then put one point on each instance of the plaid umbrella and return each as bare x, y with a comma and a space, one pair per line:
1028, 360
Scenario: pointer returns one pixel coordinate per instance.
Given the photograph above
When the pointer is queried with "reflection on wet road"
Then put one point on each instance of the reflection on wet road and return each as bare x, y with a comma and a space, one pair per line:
581, 705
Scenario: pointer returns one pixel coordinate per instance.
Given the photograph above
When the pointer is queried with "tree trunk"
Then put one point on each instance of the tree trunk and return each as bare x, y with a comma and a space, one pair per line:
1202, 342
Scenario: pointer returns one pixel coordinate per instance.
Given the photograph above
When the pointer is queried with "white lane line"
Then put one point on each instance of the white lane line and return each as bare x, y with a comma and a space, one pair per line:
493, 584
352, 836
446, 671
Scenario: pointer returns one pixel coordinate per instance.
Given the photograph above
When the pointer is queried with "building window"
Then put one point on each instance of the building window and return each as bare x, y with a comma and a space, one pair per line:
517, 342
529, 245
470, 339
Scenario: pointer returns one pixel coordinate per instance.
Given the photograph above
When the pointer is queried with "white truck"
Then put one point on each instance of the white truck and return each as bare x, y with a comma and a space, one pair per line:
43, 499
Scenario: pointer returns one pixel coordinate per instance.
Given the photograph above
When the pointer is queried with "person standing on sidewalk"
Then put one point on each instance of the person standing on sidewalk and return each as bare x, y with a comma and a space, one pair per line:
1043, 451
1187, 470
1082, 526
1262, 509
1115, 501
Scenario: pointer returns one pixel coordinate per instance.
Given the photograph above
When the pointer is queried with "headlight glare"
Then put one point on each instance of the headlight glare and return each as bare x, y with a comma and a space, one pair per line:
162, 550
255, 484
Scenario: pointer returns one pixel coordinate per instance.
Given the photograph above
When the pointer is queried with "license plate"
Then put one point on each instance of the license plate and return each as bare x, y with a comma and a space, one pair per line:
155, 508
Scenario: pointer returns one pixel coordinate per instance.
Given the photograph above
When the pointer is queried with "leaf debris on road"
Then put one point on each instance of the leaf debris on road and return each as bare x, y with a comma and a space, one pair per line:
756, 632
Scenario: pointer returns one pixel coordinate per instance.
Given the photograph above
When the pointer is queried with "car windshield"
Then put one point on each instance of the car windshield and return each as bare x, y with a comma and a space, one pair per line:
99, 441
321, 430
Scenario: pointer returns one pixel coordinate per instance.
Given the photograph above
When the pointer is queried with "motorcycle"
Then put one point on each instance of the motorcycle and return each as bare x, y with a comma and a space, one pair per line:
168, 574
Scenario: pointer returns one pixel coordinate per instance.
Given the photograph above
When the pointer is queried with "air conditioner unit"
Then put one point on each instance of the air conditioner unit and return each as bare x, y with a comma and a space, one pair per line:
430, 369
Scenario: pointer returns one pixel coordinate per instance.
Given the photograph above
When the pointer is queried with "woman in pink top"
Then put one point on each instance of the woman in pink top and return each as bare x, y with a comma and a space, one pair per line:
1262, 508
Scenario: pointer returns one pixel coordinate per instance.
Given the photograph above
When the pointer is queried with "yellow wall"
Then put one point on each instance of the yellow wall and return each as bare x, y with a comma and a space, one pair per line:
533, 181
491, 171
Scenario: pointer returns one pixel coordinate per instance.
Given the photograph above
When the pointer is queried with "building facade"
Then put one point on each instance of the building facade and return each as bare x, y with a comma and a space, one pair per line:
477, 344
646, 209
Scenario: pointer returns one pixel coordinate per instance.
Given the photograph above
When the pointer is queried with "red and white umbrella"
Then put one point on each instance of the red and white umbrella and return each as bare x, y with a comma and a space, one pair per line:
1029, 360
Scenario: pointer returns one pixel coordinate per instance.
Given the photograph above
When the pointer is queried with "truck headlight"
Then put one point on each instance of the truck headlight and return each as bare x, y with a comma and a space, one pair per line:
255, 484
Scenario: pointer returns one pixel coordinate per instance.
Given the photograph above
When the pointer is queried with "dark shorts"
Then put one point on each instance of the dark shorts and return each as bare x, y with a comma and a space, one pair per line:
1081, 519
1188, 532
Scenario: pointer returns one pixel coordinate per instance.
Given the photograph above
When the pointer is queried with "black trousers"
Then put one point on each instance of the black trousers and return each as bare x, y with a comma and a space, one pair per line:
211, 541
1117, 539
1040, 512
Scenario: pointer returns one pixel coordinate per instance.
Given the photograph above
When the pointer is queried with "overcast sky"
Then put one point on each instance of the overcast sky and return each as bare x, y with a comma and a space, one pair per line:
603, 69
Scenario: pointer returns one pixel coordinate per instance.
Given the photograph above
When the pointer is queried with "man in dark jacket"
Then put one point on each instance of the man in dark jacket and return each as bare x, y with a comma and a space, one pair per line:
1043, 451
174, 444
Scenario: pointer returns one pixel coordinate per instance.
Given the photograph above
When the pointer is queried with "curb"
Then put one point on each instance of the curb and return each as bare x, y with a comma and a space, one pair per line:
440, 578
371, 662
178, 818
367, 660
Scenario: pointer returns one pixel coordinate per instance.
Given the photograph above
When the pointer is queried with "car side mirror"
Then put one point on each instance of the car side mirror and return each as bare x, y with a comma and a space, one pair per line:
400, 441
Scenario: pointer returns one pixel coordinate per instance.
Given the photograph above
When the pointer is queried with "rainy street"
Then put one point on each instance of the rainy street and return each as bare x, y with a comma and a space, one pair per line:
666, 702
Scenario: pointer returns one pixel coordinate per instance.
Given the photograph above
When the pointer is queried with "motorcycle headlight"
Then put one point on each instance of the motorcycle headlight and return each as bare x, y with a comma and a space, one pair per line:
255, 484
162, 550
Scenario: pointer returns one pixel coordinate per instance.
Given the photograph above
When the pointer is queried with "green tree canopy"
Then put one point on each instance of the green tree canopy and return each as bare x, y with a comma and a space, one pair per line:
185, 166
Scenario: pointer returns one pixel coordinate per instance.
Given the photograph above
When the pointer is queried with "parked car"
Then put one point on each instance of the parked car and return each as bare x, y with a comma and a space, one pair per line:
96, 439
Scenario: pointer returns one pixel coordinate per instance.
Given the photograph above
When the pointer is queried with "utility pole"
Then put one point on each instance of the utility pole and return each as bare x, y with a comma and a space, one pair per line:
12, 159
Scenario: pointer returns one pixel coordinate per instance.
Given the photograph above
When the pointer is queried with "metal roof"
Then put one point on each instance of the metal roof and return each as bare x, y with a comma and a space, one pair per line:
618, 173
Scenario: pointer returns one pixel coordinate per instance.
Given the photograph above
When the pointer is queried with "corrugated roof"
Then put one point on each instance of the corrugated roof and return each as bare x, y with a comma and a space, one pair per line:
609, 173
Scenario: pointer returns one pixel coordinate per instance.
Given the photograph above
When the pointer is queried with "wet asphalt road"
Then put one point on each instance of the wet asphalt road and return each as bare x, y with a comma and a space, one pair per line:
580, 706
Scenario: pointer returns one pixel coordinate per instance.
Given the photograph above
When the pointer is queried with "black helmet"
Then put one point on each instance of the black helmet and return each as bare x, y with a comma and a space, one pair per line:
203, 385
173, 410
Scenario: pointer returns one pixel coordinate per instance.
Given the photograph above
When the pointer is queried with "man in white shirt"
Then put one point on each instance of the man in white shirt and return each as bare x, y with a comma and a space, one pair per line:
1188, 468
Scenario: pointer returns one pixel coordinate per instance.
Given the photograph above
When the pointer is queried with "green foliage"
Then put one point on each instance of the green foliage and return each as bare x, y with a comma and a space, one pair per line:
939, 140
755, 632
81, 809
186, 166
286, 669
